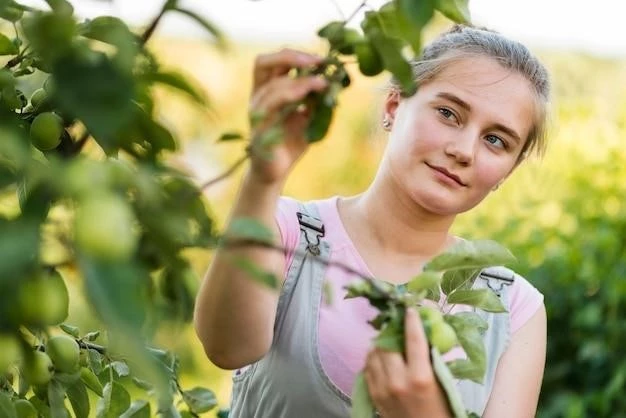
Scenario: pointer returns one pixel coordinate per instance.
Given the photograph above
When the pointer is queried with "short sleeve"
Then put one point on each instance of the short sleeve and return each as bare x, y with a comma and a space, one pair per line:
288, 226
525, 301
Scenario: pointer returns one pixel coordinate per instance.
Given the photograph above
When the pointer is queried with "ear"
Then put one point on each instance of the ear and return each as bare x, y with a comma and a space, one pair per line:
391, 104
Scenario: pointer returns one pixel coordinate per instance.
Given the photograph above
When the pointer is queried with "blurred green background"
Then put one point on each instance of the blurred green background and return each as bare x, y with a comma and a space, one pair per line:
563, 217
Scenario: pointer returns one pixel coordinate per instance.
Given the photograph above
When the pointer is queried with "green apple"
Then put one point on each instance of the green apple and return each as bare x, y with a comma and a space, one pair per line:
64, 353
43, 300
46, 130
38, 368
104, 227
38, 97
443, 336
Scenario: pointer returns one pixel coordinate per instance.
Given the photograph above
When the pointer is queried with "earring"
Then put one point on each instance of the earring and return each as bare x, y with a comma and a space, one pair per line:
496, 187
386, 124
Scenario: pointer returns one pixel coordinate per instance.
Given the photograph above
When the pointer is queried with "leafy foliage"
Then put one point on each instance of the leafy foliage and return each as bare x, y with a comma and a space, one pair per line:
442, 331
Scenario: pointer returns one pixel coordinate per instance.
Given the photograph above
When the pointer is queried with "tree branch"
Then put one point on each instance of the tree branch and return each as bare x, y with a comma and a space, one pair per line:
235, 243
155, 22
225, 174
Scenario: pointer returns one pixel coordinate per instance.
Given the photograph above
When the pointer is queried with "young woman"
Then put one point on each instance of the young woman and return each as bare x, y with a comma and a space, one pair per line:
479, 111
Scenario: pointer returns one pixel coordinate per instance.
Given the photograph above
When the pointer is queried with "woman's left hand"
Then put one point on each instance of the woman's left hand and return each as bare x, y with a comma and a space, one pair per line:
407, 388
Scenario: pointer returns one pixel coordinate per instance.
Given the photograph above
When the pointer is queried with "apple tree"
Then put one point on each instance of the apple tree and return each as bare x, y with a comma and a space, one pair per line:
84, 169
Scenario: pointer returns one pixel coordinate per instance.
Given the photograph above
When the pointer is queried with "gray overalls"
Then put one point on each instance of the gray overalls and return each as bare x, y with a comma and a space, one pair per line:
289, 381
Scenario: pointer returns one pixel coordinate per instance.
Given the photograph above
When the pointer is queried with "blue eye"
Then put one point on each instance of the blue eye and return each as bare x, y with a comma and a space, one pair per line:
446, 113
492, 139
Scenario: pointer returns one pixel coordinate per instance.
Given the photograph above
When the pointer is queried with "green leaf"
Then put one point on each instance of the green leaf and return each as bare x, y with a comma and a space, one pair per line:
77, 394
199, 400
230, 136
458, 279
104, 29
142, 384
114, 402
320, 120
19, 244
99, 94
7, 47
418, 12
256, 273
427, 280
456, 10
50, 35
394, 61
138, 409
150, 134
370, 63
7, 409
484, 299
362, 405
468, 331
178, 82
11, 11
91, 380
471, 254
121, 368
465, 320
56, 398
208, 26
466, 369
249, 229
92, 336
391, 337
396, 24
447, 383
95, 361
114, 31
70, 330
118, 292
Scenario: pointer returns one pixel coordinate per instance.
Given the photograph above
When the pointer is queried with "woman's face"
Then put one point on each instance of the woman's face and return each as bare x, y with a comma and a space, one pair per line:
460, 135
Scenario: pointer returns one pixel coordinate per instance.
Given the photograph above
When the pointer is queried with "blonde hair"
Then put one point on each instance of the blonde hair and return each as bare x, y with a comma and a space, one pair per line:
462, 41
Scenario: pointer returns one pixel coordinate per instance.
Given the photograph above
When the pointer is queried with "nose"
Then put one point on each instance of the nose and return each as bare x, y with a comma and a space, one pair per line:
462, 147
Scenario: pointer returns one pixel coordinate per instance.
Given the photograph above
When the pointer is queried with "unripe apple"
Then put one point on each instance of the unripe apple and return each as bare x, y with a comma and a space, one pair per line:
64, 353
104, 227
38, 369
43, 300
443, 336
46, 130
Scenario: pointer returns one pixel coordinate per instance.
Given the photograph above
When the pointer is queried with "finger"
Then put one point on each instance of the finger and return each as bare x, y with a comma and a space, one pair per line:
268, 66
375, 375
284, 90
393, 364
416, 346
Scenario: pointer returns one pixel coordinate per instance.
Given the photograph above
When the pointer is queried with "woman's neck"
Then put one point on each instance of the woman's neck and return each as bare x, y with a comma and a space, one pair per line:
395, 224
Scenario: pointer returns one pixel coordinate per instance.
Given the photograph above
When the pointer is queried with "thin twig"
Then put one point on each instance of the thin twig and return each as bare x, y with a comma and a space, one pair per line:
356, 11
334, 3
233, 243
225, 174
150, 30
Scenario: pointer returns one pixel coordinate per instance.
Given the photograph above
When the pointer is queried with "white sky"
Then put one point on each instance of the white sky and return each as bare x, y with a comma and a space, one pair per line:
595, 26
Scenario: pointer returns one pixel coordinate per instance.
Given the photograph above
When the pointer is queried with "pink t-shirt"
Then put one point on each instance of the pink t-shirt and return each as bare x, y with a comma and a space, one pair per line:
344, 334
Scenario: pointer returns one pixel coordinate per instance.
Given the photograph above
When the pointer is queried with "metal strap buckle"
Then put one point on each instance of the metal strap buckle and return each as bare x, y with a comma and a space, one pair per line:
490, 278
309, 224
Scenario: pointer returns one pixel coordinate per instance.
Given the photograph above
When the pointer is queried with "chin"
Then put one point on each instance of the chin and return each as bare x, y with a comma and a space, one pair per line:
439, 205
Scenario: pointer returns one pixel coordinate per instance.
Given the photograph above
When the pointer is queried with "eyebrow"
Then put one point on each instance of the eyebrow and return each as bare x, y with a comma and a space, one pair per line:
467, 107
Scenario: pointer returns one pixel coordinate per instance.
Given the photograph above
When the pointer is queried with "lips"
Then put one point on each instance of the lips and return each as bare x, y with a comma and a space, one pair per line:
448, 174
